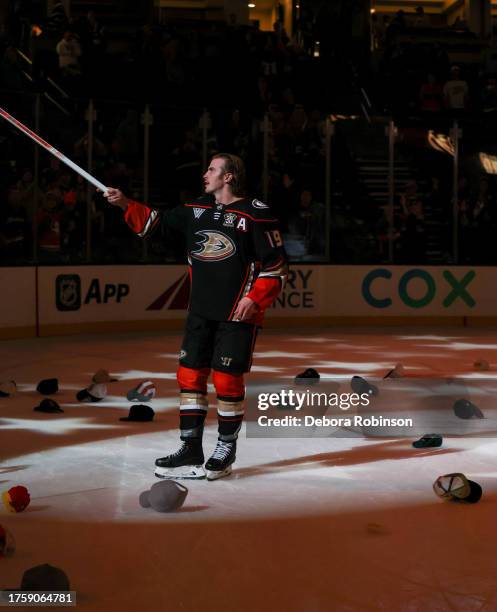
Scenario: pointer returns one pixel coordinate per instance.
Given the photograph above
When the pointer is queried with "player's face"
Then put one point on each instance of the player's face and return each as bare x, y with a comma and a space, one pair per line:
214, 178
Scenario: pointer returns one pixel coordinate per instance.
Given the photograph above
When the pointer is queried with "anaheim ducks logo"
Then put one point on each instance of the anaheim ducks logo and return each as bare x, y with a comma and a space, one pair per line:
213, 246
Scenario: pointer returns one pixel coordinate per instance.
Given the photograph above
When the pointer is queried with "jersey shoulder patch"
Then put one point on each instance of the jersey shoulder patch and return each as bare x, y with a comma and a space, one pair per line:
259, 205
252, 209
259, 211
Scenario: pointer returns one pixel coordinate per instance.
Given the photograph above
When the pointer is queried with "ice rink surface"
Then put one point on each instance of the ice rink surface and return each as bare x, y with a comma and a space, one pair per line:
302, 525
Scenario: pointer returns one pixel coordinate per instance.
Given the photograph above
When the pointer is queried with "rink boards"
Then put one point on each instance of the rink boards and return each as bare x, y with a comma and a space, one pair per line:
54, 300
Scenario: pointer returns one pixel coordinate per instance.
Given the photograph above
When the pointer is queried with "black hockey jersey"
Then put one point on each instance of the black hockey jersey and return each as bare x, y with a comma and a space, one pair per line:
234, 251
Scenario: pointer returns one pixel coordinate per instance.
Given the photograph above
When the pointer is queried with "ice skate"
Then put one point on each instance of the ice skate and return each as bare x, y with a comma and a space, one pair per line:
221, 460
185, 463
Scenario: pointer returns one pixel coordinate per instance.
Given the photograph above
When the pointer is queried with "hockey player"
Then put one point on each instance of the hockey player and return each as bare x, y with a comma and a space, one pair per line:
237, 265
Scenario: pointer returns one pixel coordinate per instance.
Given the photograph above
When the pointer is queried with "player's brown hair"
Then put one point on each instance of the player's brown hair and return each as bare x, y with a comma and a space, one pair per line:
235, 166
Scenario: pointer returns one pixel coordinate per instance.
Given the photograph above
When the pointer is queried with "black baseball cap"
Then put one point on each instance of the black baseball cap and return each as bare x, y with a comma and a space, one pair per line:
464, 409
48, 386
307, 377
45, 578
48, 405
428, 441
139, 413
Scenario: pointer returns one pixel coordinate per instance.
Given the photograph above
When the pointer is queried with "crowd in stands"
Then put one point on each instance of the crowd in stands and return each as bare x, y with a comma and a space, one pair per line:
418, 74
241, 75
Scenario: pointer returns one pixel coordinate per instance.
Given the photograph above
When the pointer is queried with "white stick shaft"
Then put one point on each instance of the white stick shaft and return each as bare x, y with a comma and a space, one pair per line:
43, 143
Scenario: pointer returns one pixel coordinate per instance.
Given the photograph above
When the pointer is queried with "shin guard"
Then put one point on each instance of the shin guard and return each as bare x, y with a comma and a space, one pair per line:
193, 402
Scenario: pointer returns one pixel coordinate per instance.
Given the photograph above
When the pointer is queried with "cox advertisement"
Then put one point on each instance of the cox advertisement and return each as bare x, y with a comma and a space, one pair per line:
362, 291
435, 291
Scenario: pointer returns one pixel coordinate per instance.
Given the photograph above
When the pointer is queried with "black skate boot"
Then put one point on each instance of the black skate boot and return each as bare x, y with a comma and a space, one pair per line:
219, 464
187, 462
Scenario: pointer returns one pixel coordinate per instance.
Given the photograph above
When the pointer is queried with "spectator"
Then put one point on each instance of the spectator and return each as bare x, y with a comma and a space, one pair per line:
456, 91
438, 60
410, 195
460, 24
72, 222
378, 30
395, 27
483, 217
26, 188
186, 161
489, 95
431, 97
309, 223
49, 229
57, 20
437, 198
172, 49
489, 59
286, 201
269, 63
126, 143
14, 230
463, 188
263, 97
17, 22
421, 20
81, 148
465, 233
10, 71
96, 36
69, 52
413, 240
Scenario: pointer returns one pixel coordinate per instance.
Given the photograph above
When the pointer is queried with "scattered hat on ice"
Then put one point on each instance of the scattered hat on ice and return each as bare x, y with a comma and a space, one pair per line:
458, 488
481, 364
360, 385
48, 386
48, 405
307, 377
94, 393
143, 392
102, 376
45, 578
139, 413
143, 499
8, 388
397, 372
7, 543
164, 496
428, 441
16, 499
464, 409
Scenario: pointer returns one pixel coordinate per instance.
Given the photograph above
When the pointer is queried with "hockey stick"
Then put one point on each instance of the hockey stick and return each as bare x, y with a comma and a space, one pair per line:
20, 126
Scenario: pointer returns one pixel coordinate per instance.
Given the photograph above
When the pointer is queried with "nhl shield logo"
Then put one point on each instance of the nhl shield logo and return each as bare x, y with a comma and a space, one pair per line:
68, 292
229, 219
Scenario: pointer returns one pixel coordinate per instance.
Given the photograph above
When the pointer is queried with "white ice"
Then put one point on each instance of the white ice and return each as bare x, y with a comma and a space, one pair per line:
302, 525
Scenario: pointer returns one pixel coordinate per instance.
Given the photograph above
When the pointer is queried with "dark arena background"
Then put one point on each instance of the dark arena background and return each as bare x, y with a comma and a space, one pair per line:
368, 128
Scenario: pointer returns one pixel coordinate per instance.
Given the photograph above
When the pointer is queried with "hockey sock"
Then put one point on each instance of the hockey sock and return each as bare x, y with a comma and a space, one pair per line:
230, 404
193, 403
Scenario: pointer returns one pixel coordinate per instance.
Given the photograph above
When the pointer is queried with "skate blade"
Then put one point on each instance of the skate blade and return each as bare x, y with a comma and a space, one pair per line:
190, 472
214, 475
